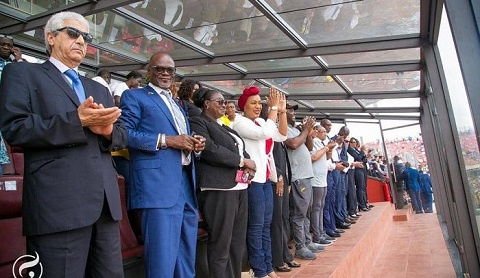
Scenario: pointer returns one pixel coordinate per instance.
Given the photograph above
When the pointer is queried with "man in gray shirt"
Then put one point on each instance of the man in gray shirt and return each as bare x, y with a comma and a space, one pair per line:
299, 145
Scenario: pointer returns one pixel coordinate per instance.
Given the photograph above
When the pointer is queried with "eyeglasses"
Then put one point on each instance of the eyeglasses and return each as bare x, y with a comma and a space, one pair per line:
160, 69
219, 101
74, 33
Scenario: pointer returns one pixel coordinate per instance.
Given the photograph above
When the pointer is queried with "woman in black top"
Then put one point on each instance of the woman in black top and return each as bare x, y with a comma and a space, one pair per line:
224, 201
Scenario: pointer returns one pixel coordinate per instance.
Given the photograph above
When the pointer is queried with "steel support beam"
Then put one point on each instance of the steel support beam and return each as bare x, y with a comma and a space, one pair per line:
363, 95
334, 109
38, 21
307, 72
328, 49
318, 113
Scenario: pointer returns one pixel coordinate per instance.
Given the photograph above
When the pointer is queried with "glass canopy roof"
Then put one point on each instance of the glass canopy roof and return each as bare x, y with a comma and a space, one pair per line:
335, 58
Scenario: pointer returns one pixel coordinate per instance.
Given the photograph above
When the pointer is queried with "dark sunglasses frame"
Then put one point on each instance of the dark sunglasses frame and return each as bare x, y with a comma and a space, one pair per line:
74, 33
160, 69
220, 101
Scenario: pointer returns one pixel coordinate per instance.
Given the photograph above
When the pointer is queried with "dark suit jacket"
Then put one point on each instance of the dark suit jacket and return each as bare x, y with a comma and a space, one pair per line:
155, 175
68, 169
282, 163
219, 161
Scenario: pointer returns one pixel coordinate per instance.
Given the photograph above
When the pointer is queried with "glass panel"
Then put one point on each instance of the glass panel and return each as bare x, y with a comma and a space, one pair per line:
387, 124
223, 27
100, 57
206, 69
462, 116
333, 104
119, 34
373, 57
10, 19
376, 82
398, 114
307, 85
235, 87
391, 102
354, 20
36, 7
280, 64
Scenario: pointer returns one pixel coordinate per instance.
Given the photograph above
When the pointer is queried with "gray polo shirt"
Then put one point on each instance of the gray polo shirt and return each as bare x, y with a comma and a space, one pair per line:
300, 160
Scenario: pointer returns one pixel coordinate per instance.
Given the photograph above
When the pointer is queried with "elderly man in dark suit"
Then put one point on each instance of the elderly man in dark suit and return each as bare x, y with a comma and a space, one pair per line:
67, 127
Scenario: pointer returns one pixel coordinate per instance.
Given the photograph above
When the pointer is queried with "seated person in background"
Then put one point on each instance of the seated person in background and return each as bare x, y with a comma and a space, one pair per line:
223, 198
134, 79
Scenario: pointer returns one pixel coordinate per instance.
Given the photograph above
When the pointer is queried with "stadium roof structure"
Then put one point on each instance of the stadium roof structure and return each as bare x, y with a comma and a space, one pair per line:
335, 58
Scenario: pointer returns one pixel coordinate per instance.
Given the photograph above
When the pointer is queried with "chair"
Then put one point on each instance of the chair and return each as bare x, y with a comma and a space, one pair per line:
12, 243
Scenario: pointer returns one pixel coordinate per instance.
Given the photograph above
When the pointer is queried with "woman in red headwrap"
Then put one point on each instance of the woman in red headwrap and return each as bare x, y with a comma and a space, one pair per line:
258, 135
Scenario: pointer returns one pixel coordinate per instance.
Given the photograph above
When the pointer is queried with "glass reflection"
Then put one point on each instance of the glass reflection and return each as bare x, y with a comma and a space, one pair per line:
462, 115
376, 82
308, 85
36, 7
336, 20
216, 24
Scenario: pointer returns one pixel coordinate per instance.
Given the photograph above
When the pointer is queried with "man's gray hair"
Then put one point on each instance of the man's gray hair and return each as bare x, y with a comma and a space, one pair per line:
57, 21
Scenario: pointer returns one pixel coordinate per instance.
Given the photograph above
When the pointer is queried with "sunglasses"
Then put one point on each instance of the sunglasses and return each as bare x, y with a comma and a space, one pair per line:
160, 69
220, 101
74, 33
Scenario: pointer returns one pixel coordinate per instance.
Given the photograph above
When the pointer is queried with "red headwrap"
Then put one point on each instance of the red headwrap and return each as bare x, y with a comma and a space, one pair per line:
250, 91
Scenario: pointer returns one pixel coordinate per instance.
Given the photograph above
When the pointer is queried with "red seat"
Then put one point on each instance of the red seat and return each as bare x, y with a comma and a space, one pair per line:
12, 243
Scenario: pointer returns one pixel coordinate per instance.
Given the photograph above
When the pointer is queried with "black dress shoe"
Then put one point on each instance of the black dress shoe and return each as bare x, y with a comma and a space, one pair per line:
365, 209
293, 264
350, 220
334, 234
284, 268
354, 216
343, 226
339, 231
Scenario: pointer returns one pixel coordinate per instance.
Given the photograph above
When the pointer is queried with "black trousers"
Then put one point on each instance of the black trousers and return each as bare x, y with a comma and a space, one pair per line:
226, 215
92, 251
280, 228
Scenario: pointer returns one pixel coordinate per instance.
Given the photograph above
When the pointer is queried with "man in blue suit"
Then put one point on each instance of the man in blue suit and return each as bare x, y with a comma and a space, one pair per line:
162, 183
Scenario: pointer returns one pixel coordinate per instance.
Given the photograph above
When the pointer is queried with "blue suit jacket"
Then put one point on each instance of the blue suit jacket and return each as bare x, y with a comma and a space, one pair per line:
155, 175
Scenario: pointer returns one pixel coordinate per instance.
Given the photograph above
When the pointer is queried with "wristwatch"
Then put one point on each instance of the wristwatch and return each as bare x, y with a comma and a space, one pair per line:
163, 142
274, 108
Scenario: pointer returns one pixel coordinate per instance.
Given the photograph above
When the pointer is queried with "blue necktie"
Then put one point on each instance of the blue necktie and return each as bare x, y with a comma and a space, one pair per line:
77, 84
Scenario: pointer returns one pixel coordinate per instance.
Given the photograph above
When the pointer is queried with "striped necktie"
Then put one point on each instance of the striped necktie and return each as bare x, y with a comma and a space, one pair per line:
177, 113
